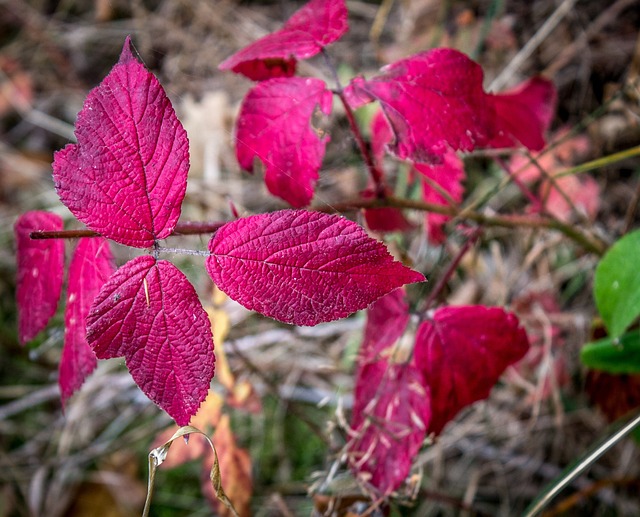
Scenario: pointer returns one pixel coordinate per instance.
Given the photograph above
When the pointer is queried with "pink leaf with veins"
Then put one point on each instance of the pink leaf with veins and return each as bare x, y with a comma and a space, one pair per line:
391, 414
449, 176
91, 266
40, 272
524, 114
462, 352
387, 319
150, 314
310, 29
127, 175
303, 267
433, 100
275, 125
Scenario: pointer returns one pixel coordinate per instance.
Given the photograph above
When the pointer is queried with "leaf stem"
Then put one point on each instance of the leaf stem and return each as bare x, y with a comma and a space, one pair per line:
183, 251
589, 242
186, 228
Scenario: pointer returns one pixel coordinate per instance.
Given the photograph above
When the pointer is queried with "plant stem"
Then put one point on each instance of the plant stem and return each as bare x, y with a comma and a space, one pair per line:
587, 241
186, 228
446, 276
374, 171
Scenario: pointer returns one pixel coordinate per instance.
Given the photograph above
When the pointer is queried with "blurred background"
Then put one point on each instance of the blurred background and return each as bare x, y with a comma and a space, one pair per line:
287, 390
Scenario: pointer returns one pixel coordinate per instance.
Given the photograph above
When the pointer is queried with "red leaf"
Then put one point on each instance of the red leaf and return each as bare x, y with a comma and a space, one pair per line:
274, 125
391, 414
150, 314
449, 176
91, 266
462, 352
386, 321
385, 219
40, 273
524, 114
308, 31
303, 267
433, 101
127, 175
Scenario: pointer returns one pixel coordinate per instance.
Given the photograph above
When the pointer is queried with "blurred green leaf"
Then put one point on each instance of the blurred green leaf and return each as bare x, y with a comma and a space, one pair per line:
619, 355
616, 287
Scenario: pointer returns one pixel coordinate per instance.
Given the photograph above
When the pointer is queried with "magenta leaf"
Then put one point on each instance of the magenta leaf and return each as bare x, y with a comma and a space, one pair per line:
524, 114
448, 176
40, 272
150, 314
91, 266
274, 125
303, 267
391, 414
462, 352
127, 175
387, 319
433, 100
310, 29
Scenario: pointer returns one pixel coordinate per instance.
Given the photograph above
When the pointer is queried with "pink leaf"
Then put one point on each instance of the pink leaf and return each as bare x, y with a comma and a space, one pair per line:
462, 352
581, 192
303, 267
274, 125
387, 319
150, 314
308, 31
391, 414
40, 273
91, 266
564, 151
524, 114
433, 101
449, 176
127, 175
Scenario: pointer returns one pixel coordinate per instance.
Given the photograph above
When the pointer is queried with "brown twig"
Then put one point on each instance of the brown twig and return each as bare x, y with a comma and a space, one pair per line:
587, 241
186, 228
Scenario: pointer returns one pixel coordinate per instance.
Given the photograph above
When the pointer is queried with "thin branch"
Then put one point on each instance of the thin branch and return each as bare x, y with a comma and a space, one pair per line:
374, 171
186, 228
589, 242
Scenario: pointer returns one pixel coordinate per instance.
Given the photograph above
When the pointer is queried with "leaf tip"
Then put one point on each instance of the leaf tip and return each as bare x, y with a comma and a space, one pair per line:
127, 51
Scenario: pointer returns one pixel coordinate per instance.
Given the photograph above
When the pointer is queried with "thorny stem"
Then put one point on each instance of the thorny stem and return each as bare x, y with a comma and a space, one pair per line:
446, 276
374, 171
587, 241
186, 228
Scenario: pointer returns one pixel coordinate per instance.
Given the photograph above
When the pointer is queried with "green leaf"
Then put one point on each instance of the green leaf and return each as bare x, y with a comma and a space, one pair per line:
616, 286
614, 355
